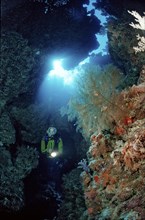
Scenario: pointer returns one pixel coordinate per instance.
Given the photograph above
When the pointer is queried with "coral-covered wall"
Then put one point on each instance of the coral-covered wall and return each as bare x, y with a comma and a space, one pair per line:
115, 186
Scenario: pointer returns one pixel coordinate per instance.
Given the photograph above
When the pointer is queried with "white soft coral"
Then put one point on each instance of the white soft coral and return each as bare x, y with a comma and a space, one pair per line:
140, 25
139, 19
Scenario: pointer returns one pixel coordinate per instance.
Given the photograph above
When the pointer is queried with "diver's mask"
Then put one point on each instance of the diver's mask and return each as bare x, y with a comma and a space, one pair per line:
51, 131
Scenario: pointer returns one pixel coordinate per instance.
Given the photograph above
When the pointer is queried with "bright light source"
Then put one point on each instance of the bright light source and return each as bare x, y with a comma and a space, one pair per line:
57, 64
59, 71
53, 154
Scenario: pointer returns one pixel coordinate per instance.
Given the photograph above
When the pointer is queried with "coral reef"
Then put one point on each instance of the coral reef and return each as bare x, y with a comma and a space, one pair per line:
114, 188
28, 119
7, 131
73, 205
121, 47
18, 80
17, 60
13, 171
141, 26
93, 89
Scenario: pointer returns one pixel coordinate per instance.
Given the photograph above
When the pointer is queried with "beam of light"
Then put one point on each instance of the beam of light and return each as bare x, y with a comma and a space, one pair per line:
60, 72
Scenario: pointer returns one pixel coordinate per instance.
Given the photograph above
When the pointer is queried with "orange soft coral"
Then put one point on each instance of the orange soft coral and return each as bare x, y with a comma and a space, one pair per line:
134, 150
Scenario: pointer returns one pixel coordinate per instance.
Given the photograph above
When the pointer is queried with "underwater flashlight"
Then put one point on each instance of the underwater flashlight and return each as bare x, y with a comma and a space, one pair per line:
53, 154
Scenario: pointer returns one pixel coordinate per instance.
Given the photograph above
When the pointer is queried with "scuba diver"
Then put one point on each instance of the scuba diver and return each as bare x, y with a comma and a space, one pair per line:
51, 143
52, 146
